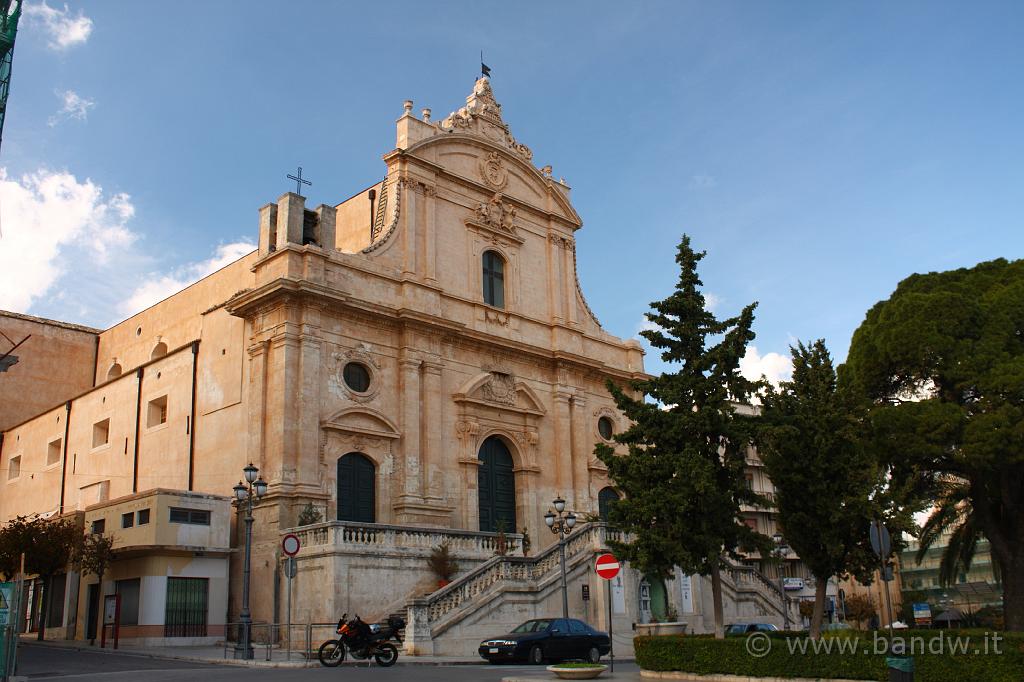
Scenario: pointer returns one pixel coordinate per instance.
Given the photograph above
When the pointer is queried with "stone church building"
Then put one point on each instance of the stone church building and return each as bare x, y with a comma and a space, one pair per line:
417, 365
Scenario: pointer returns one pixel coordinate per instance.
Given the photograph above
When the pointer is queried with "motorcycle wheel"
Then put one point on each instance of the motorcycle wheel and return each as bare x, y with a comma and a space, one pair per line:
386, 654
332, 653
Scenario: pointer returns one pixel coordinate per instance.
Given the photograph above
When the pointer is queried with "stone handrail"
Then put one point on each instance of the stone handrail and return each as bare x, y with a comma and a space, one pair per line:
590, 537
379, 536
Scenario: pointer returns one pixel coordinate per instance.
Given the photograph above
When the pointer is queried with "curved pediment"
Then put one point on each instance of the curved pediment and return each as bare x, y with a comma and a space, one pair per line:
501, 391
499, 169
362, 420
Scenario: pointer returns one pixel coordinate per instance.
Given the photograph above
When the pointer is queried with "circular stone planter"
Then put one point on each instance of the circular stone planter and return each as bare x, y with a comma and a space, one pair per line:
577, 673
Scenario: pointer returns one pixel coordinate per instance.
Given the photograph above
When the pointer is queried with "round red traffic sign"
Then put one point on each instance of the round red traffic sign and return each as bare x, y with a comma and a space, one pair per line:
290, 544
607, 566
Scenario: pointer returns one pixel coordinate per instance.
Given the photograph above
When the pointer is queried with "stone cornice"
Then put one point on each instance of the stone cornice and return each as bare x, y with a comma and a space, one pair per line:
253, 300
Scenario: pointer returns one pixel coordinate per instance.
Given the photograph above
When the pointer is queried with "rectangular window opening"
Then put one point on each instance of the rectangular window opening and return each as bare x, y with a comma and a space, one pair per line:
101, 433
143, 517
156, 414
14, 468
53, 451
98, 526
129, 591
127, 519
195, 517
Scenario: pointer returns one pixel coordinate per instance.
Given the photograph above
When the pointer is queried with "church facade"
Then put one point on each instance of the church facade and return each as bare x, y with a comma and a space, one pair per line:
412, 367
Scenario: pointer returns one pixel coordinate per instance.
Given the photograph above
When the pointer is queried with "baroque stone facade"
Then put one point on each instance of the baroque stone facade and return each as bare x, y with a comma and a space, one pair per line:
420, 355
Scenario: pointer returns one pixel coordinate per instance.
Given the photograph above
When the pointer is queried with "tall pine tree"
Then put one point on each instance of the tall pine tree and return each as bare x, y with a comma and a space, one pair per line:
683, 475
823, 473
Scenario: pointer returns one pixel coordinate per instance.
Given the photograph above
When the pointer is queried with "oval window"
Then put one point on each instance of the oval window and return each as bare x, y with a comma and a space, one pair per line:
357, 377
604, 427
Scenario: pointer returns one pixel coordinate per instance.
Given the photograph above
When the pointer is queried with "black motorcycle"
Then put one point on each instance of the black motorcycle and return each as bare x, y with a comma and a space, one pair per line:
362, 641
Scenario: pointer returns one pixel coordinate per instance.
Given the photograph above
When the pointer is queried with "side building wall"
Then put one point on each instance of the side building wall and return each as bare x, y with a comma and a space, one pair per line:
55, 362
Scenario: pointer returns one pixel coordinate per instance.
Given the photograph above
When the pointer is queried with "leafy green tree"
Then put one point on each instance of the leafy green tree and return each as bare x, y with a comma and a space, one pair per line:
55, 544
95, 555
823, 473
15, 539
943, 361
683, 475
860, 608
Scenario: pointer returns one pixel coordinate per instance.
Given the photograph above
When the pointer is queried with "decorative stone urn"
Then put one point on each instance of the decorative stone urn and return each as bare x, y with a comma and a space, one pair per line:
661, 628
588, 673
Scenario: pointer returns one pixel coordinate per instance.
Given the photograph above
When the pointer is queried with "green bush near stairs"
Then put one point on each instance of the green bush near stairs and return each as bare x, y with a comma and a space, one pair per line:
705, 655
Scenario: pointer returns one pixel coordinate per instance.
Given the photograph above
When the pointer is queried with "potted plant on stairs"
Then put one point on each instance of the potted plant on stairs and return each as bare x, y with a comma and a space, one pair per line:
443, 564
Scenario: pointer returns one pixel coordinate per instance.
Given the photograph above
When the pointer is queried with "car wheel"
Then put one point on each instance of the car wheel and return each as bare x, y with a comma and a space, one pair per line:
593, 655
536, 656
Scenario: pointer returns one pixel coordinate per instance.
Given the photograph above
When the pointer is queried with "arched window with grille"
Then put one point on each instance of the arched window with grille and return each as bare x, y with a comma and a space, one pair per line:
494, 279
605, 499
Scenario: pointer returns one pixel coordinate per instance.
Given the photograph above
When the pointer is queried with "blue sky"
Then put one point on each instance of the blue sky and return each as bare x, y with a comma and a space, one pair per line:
820, 152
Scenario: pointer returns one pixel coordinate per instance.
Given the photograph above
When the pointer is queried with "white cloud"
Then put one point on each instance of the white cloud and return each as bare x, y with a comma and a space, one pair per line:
62, 29
160, 286
73, 107
43, 216
774, 366
702, 181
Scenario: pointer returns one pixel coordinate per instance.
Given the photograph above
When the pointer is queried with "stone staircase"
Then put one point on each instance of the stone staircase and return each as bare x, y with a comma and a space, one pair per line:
506, 590
502, 592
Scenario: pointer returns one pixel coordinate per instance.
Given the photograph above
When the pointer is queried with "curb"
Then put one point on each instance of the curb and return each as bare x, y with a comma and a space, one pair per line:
257, 663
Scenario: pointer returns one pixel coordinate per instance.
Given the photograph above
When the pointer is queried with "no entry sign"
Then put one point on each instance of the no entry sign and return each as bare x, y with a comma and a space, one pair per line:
607, 566
290, 544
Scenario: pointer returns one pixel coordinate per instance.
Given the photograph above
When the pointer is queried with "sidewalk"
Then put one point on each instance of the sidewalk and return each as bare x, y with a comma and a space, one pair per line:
278, 658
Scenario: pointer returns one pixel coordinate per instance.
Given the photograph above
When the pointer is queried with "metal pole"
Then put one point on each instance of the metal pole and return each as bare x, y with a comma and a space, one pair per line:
565, 591
611, 637
782, 595
288, 572
244, 648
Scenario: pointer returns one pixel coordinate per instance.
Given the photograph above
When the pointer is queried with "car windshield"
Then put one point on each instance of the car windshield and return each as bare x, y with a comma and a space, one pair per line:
532, 626
736, 629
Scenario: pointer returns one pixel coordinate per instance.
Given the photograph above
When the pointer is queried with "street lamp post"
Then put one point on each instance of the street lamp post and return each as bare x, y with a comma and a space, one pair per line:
780, 552
561, 524
245, 493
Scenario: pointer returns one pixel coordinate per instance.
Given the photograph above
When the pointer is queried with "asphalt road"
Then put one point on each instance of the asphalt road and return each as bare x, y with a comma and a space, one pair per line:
52, 663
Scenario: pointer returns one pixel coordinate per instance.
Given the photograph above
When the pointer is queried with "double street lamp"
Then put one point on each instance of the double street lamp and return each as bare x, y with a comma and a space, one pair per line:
561, 524
780, 552
253, 489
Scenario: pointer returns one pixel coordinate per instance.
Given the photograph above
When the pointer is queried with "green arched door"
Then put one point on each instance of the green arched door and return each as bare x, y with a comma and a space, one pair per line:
356, 489
496, 486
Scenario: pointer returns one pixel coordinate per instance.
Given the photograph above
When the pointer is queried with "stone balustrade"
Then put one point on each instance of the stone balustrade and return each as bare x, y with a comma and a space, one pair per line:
425, 614
377, 537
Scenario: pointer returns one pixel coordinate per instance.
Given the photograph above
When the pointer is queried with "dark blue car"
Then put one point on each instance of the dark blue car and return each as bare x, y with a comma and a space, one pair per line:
548, 639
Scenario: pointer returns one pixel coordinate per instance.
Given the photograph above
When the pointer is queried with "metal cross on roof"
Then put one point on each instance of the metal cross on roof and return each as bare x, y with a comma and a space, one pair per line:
299, 181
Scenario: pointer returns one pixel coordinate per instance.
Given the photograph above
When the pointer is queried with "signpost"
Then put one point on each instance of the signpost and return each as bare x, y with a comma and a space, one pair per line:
607, 567
881, 543
112, 618
922, 614
290, 545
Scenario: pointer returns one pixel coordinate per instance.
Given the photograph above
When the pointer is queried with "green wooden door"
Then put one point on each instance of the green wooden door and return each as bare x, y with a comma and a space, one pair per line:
497, 487
356, 489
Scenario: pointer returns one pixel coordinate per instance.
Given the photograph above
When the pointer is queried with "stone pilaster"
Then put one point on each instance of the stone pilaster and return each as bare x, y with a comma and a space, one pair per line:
433, 423
411, 404
580, 450
563, 447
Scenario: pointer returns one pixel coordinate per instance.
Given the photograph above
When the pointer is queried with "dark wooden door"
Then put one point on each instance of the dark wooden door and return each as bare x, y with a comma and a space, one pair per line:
356, 489
92, 611
497, 487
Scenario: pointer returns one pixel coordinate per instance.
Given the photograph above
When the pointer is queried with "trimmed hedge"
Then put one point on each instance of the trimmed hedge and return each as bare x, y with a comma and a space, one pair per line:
704, 655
